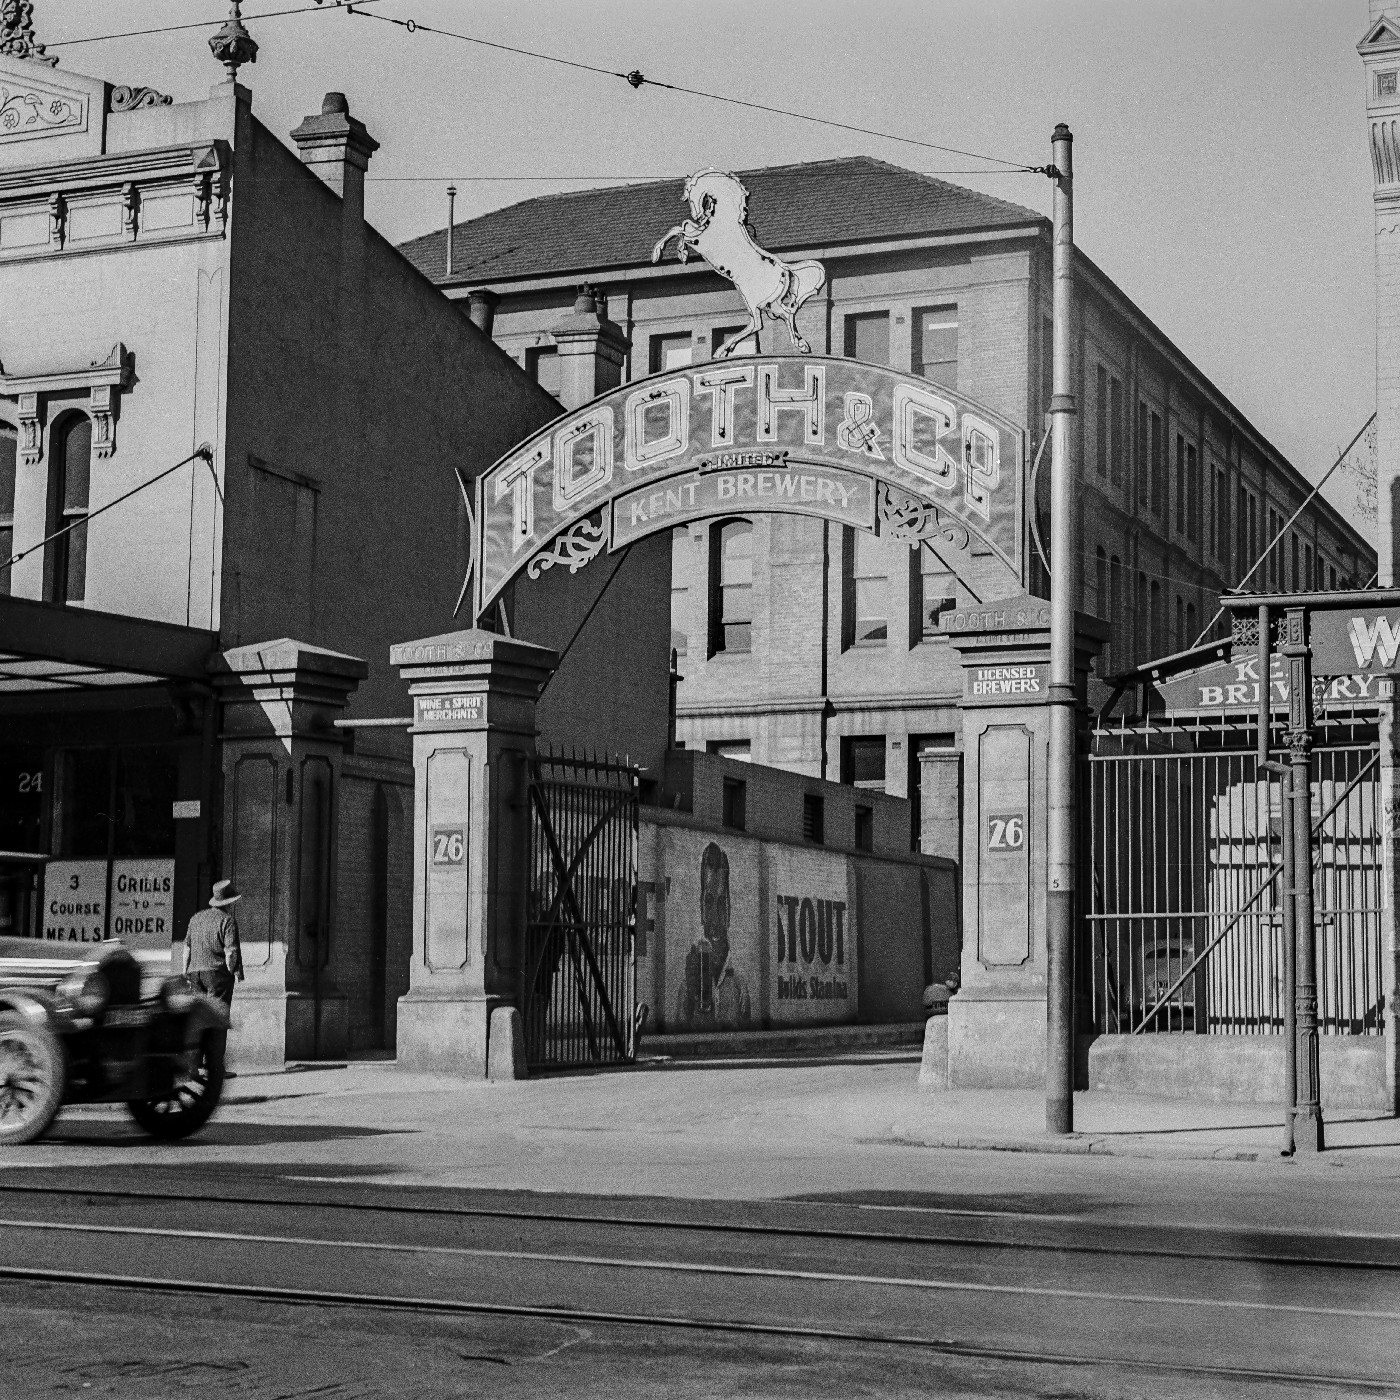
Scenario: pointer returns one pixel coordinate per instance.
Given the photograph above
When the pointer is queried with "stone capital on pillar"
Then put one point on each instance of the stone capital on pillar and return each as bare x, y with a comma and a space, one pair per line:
592, 351
474, 697
996, 1022
281, 756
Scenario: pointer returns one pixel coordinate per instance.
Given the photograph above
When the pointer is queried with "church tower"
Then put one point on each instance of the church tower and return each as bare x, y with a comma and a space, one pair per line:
1380, 53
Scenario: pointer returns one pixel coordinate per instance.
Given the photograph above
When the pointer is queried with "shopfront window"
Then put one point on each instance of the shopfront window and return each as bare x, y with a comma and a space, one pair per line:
114, 803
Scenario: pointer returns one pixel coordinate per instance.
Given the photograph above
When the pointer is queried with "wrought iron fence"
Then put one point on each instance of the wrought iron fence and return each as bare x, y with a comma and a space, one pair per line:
580, 967
1185, 856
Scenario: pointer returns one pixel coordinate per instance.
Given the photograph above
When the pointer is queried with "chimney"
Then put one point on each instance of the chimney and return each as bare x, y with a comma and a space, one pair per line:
592, 350
451, 224
481, 307
337, 147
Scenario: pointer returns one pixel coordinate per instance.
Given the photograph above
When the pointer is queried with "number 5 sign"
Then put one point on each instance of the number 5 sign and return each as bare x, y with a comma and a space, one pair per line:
449, 846
1006, 831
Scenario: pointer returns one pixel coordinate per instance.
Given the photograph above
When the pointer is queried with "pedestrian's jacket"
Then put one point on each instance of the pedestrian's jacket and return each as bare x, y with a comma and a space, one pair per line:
211, 943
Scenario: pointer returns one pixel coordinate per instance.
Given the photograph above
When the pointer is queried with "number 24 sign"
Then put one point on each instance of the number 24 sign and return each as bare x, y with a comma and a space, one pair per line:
449, 845
1006, 832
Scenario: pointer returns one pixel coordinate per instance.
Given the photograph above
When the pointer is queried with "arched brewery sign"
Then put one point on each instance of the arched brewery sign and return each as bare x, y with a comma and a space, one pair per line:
858, 444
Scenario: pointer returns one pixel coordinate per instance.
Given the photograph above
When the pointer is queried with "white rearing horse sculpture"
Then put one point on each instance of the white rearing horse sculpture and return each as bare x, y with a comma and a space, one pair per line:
718, 232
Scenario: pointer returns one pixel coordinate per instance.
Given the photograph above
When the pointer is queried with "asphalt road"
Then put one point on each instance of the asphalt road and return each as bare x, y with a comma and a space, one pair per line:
150, 1282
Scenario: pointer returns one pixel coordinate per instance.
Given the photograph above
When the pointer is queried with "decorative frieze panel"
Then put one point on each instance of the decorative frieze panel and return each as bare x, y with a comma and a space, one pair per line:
39, 107
149, 196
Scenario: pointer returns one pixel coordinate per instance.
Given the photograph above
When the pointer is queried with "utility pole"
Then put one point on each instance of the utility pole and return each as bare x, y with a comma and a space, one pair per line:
1062, 845
1307, 1110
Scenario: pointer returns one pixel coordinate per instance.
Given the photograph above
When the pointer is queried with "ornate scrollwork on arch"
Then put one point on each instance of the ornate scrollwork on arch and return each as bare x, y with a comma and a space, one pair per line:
580, 543
130, 99
907, 517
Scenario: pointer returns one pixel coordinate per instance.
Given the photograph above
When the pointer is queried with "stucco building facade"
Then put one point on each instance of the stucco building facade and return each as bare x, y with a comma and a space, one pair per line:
231, 418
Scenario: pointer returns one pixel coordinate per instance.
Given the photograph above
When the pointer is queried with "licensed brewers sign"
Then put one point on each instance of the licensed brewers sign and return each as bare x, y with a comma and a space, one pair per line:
854, 443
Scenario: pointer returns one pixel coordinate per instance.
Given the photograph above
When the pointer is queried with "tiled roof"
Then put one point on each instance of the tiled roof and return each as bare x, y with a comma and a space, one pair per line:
855, 199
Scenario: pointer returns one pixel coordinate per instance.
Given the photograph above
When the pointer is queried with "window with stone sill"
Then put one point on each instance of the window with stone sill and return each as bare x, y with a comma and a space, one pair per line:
670, 352
9, 442
70, 473
865, 589
731, 587
935, 345
722, 335
867, 337
936, 592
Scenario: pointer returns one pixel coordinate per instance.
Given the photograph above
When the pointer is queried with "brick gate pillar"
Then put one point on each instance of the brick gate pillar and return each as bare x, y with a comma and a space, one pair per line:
473, 734
281, 784
994, 1033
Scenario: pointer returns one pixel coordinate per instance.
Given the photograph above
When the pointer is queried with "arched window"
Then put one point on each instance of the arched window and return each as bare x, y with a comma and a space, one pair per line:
7, 502
731, 586
70, 463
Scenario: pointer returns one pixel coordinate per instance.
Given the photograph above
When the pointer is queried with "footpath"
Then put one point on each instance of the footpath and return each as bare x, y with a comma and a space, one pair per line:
852, 1126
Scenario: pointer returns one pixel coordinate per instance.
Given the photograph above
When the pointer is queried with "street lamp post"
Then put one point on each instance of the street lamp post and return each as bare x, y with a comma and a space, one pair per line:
1064, 562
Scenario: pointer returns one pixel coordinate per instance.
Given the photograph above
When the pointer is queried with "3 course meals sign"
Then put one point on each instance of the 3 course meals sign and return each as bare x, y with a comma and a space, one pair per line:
806, 434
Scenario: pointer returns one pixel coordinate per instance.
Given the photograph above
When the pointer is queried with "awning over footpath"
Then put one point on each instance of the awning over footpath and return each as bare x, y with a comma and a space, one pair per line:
47, 647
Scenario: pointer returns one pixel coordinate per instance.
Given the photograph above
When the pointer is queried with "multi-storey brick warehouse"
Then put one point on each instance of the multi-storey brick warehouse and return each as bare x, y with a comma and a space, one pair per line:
817, 648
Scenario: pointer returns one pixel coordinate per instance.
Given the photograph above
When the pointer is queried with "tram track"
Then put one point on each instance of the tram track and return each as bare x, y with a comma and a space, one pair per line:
675, 1322
1128, 1246
644, 1264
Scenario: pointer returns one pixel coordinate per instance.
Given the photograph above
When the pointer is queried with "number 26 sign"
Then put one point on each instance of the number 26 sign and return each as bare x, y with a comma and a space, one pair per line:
1006, 831
449, 845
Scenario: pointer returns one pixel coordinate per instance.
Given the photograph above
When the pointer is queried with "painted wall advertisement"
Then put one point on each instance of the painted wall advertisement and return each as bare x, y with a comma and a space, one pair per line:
813, 938
738, 934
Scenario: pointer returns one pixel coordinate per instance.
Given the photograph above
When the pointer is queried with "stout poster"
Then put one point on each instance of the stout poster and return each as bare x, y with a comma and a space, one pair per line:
812, 965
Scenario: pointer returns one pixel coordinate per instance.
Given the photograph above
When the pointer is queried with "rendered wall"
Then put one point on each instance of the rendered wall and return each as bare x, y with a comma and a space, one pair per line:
811, 936
348, 368
160, 292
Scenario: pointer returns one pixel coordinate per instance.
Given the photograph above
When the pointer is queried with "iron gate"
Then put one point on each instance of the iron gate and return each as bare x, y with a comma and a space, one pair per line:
580, 963
1184, 856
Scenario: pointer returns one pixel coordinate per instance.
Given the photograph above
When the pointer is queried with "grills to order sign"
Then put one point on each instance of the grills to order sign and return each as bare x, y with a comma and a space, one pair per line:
857, 444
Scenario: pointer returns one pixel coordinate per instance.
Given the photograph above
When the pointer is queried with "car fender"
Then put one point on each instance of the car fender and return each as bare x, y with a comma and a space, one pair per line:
26, 1004
207, 1014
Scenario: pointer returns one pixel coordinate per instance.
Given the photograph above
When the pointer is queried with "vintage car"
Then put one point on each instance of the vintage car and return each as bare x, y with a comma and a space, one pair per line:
75, 1028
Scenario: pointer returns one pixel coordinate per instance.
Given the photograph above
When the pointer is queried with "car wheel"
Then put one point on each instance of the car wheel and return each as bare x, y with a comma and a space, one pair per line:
199, 1083
32, 1077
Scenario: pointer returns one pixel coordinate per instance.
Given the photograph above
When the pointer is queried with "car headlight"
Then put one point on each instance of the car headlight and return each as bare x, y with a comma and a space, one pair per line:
85, 989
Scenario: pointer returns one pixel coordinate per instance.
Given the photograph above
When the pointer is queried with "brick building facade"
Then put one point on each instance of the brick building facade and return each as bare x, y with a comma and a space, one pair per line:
817, 648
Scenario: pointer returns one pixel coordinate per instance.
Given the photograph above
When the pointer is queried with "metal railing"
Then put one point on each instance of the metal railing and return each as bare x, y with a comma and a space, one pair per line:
1184, 918
580, 967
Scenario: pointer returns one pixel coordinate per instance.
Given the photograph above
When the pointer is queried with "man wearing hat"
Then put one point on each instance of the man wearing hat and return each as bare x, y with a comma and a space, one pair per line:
212, 955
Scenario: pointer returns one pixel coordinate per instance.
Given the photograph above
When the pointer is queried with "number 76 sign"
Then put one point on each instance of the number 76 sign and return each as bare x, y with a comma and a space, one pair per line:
1006, 831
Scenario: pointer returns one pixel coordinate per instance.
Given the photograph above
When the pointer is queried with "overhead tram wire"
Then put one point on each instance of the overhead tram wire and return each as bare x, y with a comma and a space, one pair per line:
318, 8
1284, 528
637, 79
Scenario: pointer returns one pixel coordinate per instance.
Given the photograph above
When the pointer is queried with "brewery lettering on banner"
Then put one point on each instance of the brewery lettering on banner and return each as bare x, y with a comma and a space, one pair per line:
807, 434
1234, 686
143, 903
75, 901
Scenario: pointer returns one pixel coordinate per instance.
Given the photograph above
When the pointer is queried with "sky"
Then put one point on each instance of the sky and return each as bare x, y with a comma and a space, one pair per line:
1221, 174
